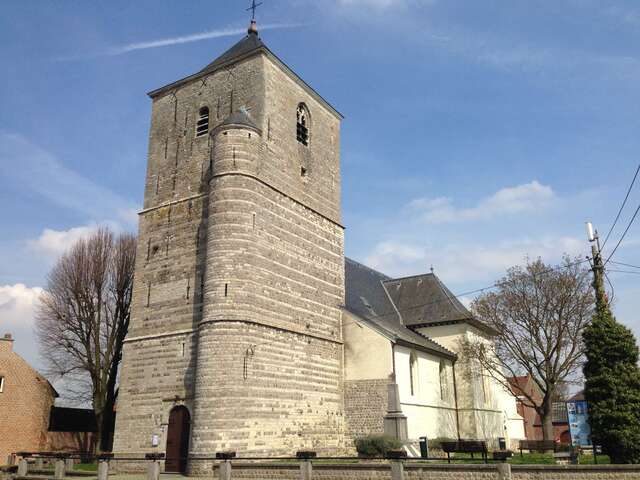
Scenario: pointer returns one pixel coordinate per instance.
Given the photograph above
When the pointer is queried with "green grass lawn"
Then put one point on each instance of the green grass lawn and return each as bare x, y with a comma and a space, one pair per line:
86, 467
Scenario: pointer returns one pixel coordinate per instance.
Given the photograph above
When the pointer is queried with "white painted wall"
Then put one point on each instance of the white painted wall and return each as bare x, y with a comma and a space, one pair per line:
485, 416
428, 414
367, 353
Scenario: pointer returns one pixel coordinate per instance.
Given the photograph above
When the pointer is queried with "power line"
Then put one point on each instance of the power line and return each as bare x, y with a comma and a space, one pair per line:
635, 214
613, 292
624, 202
624, 264
624, 271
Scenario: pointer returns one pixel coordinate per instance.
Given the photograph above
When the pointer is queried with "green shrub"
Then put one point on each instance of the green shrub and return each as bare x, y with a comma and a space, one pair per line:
376, 445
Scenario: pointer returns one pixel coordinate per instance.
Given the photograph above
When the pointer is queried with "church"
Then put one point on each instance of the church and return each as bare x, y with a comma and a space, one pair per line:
250, 330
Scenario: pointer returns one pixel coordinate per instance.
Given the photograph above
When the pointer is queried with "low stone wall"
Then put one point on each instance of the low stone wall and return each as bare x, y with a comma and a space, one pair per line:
575, 472
418, 471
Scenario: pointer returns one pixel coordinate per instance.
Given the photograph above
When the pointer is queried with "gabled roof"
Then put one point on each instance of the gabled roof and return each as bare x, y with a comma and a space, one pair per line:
423, 301
367, 299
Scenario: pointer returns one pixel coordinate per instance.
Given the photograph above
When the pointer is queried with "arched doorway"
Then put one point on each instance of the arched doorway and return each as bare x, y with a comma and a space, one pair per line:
177, 440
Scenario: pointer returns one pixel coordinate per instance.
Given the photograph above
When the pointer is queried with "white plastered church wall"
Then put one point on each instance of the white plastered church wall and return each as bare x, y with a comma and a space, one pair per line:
486, 409
428, 413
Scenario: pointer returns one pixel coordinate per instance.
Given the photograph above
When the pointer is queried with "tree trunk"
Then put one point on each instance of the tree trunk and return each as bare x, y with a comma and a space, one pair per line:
546, 415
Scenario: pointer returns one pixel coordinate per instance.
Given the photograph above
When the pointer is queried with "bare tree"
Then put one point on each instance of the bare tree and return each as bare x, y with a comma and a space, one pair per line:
538, 313
83, 318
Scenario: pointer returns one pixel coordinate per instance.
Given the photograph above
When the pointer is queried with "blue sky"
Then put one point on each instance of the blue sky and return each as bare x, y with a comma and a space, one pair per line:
475, 133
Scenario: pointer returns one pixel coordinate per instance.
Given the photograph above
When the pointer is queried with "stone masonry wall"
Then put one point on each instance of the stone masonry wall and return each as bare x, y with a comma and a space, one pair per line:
240, 250
263, 390
365, 405
171, 252
381, 471
158, 375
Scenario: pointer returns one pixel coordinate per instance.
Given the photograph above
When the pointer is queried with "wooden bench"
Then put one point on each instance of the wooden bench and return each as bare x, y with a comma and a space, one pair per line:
465, 446
537, 446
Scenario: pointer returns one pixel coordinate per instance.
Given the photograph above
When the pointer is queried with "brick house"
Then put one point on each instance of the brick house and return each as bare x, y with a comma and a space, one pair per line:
532, 421
29, 421
26, 398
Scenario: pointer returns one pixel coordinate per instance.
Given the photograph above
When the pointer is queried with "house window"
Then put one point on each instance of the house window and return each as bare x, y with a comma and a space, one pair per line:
1, 384
302, 125
202, 127
413, 373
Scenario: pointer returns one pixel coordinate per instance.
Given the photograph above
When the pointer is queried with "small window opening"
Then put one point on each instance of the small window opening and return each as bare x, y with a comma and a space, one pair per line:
444, 381
202, 127
302, 128
1, 384
303, 172
226, 289
413, 373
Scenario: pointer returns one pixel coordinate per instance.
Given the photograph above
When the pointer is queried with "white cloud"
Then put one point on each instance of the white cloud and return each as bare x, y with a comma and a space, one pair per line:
17, 305
464, 262
54, 243
529, 197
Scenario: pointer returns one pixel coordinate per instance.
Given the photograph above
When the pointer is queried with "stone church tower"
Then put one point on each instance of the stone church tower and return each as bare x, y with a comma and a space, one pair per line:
235, 340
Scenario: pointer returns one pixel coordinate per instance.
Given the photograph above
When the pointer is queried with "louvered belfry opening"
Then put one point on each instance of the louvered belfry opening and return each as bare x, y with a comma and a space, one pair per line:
202, 127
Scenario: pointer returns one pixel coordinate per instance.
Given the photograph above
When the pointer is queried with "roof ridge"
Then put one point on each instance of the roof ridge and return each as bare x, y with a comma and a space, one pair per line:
418, 275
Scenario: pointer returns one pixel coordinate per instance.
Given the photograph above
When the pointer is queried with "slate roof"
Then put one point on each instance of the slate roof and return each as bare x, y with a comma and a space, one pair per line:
249, 44
240, 117
423, 300
366, 297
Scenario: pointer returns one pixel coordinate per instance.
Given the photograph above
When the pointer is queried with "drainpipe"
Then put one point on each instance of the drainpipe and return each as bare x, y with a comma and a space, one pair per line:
455, 397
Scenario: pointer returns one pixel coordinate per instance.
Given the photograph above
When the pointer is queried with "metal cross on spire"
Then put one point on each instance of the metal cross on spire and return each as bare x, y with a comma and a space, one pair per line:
253, 7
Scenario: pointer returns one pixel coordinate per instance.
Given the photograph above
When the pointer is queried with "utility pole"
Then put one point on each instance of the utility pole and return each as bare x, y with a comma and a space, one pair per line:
597, 266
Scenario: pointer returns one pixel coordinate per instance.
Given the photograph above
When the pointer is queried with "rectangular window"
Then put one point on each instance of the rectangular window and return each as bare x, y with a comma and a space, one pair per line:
1, 384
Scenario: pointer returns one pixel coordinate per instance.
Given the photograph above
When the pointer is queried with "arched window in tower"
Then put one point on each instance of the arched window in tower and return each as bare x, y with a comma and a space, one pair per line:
202, 127
413, 373
302, 124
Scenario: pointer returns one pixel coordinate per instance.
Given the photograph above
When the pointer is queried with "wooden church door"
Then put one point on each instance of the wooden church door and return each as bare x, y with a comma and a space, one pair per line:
177, 440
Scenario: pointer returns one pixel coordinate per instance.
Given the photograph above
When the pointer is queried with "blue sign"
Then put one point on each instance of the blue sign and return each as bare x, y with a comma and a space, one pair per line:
579, 423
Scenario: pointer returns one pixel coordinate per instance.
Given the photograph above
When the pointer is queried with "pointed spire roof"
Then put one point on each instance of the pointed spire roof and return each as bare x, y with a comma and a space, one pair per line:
250, 44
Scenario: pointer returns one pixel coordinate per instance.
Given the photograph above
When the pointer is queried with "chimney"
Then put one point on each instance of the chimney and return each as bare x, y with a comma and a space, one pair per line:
6, 343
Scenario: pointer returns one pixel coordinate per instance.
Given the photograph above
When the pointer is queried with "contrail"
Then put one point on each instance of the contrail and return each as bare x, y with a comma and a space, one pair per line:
165, 42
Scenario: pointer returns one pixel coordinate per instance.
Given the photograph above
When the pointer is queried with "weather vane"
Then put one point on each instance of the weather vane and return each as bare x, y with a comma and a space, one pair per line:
253, 7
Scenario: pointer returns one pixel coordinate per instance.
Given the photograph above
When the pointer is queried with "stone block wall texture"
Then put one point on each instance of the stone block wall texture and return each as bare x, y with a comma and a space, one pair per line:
365, 405
240, 271
412, 471
25, 403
